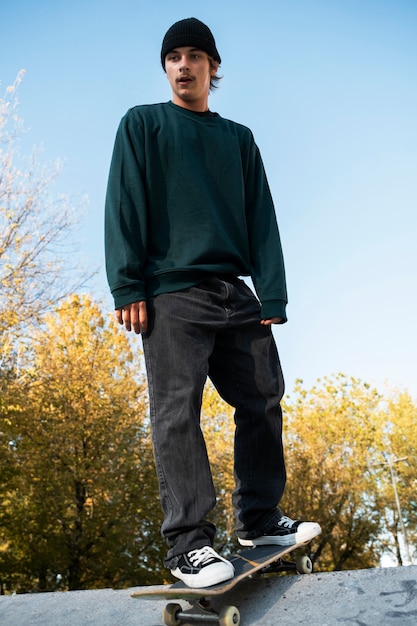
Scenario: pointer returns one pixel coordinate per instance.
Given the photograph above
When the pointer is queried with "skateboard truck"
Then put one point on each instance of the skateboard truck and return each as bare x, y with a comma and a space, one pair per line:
201, 611
302, 565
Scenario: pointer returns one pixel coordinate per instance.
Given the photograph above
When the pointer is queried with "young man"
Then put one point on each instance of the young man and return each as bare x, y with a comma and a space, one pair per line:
188, 211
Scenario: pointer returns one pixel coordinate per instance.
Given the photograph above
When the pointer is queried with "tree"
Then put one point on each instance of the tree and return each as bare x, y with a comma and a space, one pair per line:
333, 434
81, 504
36, 262
35, 259
399, 456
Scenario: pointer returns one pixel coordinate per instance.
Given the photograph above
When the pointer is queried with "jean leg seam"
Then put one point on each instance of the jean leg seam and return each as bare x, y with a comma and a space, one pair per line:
152, 415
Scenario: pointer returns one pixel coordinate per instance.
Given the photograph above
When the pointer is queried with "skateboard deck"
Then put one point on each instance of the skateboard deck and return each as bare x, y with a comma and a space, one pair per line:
257, 560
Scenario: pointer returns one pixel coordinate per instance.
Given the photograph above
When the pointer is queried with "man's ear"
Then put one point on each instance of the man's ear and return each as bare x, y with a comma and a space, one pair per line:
214, 66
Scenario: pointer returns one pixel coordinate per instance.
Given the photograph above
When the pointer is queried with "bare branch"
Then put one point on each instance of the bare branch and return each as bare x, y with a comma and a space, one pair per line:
38, 265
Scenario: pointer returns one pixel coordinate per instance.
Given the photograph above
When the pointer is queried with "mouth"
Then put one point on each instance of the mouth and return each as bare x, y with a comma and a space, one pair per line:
184, 80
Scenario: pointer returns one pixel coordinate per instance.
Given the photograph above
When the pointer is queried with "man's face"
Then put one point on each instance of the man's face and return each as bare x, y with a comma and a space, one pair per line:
189, 73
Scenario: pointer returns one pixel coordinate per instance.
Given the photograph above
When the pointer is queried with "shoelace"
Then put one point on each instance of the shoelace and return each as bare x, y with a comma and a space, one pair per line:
203, 555
286, 522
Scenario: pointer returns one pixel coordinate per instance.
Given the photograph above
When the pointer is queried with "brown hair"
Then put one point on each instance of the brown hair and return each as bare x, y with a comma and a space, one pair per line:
214, 80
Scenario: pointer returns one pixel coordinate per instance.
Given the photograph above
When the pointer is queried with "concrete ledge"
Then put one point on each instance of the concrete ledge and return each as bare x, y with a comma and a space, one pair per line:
376, 597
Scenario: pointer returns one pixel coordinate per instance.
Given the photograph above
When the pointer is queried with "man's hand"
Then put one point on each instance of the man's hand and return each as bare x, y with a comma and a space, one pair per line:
273, 320
134, 316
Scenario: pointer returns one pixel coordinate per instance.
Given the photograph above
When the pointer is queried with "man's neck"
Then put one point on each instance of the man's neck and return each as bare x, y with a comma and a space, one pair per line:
198, 106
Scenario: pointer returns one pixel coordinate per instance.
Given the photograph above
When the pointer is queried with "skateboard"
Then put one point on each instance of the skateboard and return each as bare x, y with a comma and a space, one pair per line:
258, 560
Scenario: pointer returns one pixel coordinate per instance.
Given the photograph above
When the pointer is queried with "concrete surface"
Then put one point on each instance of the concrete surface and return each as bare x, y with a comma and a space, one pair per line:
376, 597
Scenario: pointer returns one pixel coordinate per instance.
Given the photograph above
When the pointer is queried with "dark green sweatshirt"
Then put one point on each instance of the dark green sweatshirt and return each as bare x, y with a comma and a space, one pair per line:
187, 198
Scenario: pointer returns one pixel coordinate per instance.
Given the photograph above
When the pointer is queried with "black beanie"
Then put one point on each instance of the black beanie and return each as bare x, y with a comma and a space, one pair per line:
189, 32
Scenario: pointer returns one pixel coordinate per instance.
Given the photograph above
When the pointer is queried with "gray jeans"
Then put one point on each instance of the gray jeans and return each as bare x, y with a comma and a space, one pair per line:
214, 330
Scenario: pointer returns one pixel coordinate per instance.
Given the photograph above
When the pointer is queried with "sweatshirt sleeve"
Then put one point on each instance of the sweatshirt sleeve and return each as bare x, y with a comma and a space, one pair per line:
267, 262
126, 214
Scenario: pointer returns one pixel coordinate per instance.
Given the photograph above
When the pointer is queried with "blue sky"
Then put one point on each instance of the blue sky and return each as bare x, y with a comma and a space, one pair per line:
329, 89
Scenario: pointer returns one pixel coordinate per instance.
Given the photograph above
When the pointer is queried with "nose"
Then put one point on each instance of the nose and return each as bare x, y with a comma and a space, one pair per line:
183, 64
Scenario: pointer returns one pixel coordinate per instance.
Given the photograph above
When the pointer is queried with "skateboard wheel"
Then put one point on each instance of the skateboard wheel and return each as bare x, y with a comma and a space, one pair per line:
304, 565
229, 616
169, 614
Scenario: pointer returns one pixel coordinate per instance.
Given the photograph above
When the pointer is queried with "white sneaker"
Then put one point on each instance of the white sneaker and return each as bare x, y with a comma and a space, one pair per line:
285, 532
203, 568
